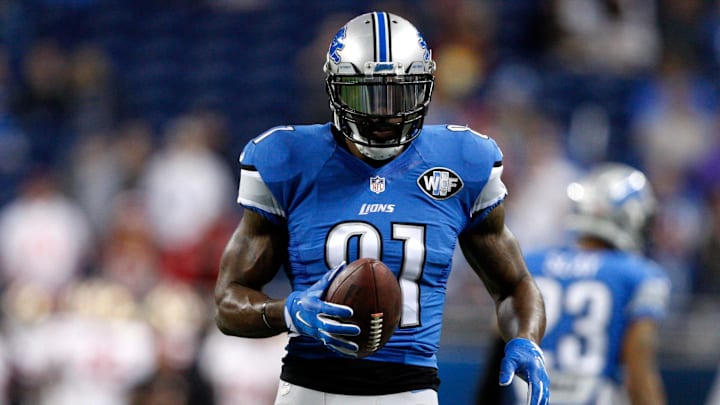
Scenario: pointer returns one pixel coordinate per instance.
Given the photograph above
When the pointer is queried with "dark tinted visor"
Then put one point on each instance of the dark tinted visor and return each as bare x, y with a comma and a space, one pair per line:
382, 96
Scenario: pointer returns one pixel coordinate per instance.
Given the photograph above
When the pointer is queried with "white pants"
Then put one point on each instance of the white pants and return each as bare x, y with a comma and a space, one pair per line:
289, 394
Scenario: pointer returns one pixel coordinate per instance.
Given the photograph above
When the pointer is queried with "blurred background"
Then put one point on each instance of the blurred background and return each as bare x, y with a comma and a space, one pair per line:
121, 122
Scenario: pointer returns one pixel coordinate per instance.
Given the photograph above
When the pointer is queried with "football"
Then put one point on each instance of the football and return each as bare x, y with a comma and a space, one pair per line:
372, 291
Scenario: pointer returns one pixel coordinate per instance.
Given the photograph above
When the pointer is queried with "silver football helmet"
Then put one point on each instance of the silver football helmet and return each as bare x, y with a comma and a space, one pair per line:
614, 202
379, 79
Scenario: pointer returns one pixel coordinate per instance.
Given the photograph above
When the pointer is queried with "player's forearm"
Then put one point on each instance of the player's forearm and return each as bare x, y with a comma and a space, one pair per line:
522, 314
242, 308
496, 257
250, 261
245, 312
520, 306
643, 381
649, 391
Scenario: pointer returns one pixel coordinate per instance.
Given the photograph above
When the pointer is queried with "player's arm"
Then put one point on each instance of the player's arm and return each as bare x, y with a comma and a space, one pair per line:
494, 253
639, 349
251, 259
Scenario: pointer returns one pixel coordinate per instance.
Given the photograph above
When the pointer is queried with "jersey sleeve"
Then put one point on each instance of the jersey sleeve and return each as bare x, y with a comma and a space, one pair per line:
254, 194
651, 298
492, 194
263, 174
280, 165
485, 159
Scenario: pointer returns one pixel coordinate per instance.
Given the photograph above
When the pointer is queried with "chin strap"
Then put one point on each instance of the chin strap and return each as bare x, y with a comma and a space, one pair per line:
379, 153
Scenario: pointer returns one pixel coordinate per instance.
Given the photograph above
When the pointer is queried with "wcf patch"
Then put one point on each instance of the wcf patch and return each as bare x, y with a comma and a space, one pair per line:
440, 183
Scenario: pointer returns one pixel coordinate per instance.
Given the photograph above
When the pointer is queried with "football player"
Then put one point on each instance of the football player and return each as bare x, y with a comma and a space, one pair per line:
374, 183
604, 299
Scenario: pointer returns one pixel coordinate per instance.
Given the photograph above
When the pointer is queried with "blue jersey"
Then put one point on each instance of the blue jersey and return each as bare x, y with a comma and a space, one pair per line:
407, 213
591, 298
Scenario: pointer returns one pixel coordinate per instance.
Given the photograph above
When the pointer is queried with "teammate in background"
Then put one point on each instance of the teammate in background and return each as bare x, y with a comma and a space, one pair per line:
604, 300
374, 183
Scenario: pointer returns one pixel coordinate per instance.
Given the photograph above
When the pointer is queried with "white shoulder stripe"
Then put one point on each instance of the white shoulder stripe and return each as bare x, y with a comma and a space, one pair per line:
253, 192
493, 192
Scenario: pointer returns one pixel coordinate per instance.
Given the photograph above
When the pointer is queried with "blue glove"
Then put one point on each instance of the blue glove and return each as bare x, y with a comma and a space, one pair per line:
307, 314
524, 358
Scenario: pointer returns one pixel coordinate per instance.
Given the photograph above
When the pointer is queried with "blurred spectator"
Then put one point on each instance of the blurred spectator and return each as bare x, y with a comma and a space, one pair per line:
45, 237
707, 282
128, 253
133, 145
680, 24
26, 307
178, 317
216, 132
238, 5
107, 163
676, 234
709, 53
14, 157
91, 351
589, 133
509, 114
14, 143
462, 34
311, 76
672, 123
189, 192
708, 266
43, 103
605, 36
456, 86
94, 93
466, 23
672, 117
243, 371
539, 207
96, 176
536, 163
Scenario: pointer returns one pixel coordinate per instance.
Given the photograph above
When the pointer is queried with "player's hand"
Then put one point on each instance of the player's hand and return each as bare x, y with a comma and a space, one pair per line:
524, 358
307, 314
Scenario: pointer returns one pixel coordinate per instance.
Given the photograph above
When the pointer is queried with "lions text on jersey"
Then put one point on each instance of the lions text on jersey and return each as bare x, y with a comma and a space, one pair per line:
407, 213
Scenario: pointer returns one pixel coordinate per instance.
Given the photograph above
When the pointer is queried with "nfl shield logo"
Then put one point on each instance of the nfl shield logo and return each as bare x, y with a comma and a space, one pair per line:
377, 184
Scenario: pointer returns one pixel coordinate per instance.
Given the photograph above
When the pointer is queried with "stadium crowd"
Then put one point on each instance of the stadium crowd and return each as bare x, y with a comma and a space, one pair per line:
121, 123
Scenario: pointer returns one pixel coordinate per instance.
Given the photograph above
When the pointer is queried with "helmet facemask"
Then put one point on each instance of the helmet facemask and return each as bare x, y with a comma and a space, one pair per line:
380, 114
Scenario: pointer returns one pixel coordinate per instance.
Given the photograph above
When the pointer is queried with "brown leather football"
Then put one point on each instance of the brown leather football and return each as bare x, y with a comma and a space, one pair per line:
373, 292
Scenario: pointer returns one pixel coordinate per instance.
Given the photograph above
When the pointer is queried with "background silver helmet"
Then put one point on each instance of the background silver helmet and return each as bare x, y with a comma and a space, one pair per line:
379, 79
614, 202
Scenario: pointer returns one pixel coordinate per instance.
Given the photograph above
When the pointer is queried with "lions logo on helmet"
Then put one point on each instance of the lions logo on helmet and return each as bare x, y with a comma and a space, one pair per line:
379, 80
614, 202
336, 45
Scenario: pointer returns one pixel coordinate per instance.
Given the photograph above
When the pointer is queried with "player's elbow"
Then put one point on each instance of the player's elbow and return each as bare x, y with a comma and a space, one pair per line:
222, 324
226, 322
